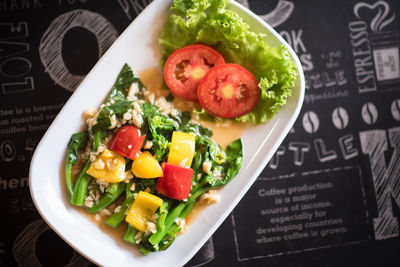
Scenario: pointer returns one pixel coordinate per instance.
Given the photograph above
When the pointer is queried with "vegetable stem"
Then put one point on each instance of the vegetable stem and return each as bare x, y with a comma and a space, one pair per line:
68, 178
107, 198
115, 219
155, 238
76, 143
80, 188
130, 234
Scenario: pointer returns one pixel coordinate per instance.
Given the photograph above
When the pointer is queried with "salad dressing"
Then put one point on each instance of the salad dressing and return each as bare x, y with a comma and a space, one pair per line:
198, 208
116, 232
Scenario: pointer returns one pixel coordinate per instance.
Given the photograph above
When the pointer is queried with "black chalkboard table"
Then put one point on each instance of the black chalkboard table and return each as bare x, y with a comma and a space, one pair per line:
330, 196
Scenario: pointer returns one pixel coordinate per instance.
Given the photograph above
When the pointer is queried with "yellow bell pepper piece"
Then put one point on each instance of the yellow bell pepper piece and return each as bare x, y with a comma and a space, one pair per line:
182, 149
142, 210
109, 166
146, 166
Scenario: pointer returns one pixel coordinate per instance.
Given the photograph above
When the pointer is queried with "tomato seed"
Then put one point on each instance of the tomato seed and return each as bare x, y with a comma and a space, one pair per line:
180, 70
208, 64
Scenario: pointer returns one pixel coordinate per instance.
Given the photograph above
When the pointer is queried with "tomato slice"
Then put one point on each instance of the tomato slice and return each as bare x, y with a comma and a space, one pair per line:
185, 67
127, 141
228, 90
176, 181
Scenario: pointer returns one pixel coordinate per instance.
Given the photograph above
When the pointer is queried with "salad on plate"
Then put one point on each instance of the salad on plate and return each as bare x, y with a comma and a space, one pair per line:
142, 163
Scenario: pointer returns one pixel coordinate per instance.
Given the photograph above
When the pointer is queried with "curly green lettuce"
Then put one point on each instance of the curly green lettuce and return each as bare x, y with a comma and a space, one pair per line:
210, 22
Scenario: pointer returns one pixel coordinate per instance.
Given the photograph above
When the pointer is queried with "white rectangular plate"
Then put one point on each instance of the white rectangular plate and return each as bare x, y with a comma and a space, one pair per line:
138, 47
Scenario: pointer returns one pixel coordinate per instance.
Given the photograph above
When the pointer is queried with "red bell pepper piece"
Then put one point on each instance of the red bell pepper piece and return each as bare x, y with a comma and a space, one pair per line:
176, 181
127, 141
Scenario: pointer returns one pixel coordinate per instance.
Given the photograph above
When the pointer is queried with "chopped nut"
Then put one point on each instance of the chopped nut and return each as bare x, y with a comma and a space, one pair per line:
119, 124
180, 222
99, 164
206, 166
212, 196
89, 113
113, 122
128, 175
148, 144
133, 90
137, 108
89, 201
183, 163
93, 156
109, 163
137, 119
150, 227
102, 185
101, 148
105, 212
127, 115
138, 237
117, 209
132, 188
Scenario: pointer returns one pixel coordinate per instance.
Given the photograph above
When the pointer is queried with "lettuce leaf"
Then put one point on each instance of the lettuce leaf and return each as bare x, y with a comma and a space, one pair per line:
209, 22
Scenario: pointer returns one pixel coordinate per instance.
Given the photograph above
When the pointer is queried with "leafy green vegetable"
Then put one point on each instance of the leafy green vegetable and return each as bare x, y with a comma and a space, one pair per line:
104, 118
77, 142
160, 129
117, 103
233, 162
211, 23
114, 191
125, 79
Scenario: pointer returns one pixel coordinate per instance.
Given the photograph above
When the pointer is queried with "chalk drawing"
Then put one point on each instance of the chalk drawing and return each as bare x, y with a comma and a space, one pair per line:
7, 151
278, 16
299, 148
386, 180
24, 247
274, 162
310, 122
50, 48
340, 118
395, 109
369, 113
381, 19
323, 154
205, 255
